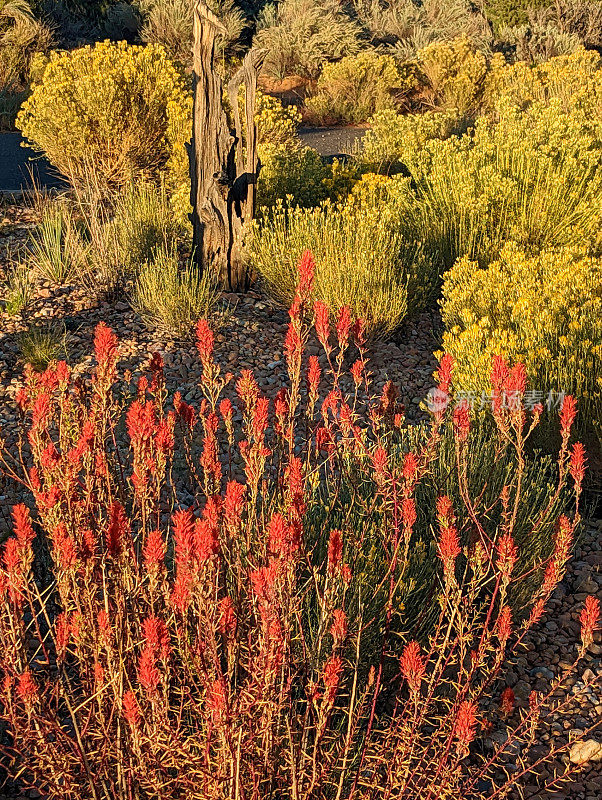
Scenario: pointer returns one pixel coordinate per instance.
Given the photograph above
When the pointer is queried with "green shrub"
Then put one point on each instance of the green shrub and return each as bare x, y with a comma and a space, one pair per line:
533, 177
143, 224
42, 345
114, 111
300, 35
511, 12
171, 299
545, 311
19, 289
170, 24
58, 251
21, 38
452, 75
407, 27
357, 86
294, 175
537, 43
361, 258
402, 138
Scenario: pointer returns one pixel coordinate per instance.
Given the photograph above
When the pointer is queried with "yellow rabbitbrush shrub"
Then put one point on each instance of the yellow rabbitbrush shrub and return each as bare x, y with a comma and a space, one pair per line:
545, 311
357, 86
109, 113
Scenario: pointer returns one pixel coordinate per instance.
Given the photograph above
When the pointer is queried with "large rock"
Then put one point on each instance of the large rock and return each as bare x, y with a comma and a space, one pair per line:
586, 750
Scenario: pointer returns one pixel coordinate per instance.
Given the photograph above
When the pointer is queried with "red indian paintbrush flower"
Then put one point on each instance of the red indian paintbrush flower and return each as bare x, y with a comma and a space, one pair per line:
117, 529
131, 710
568, 413
154, 552
578, 463
589, 618
503, 626
22, 526
306, 268
204, 341
322, 324
449, 548
217, 701
148, 674
227, 617
156, 636
444, 373
106, 350
27, 688
343, 327
507, 701
466, 724
412, 665
335, 551
331, 675
338, 628
461, 420
507, 553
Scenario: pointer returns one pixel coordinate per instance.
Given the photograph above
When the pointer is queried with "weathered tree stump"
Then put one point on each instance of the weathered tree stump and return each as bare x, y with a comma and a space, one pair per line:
223, 172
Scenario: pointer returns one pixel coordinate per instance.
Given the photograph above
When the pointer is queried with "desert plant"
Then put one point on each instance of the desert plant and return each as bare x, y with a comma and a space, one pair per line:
531, 177
452, 76
225, 649
58, 251
19, 289
537, 43
362, 260
112, 109
408, 27
357, 86
545, 310
171, 298
170, 24
21, 38
41, 345
511, 12
300, 35
400, 139
143, 224
294, 175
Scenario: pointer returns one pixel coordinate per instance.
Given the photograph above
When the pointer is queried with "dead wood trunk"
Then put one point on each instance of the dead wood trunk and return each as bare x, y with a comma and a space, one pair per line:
223, 177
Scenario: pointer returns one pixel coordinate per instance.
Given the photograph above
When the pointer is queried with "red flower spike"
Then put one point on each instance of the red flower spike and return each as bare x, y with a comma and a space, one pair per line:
27, 688
343, 327
466, 724
335, 551
322, 324
507, 553
461, 419
567, 415
589, 618
307, 269
444, 373
131, 710
333, 669
578, 463
227, 617
412, 665
507, 701
204, 341
339, 626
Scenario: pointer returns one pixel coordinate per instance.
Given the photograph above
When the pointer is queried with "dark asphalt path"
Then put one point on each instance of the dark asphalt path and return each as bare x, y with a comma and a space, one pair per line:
18, 164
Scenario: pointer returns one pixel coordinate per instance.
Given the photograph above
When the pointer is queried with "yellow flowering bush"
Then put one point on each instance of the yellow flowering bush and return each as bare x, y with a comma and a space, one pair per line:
533, 177
358, 253
543, 310
109, 112
574, 80
452, 75
276, 123
357, 86
402, 138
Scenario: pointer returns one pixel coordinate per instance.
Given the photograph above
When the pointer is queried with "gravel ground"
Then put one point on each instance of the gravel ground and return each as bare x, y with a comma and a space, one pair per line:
252, 336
